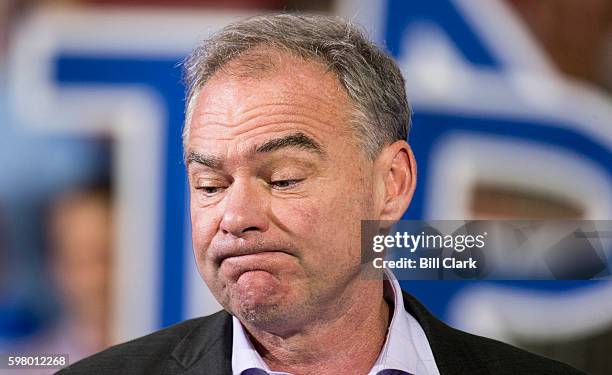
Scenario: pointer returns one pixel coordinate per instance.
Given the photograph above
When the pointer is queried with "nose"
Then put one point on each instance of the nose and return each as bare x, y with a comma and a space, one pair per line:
244, 210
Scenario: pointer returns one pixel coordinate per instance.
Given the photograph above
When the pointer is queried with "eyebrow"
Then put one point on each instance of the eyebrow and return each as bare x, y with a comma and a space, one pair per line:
295, 140
209, 161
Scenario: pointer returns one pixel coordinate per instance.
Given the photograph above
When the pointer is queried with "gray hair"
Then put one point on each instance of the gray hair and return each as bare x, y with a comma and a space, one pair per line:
371, 79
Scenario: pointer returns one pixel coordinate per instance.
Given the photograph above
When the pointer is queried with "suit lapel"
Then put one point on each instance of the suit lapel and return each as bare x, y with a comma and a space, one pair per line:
207, 349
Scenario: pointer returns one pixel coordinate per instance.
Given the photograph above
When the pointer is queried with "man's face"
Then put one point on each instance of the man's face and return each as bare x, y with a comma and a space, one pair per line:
278, 188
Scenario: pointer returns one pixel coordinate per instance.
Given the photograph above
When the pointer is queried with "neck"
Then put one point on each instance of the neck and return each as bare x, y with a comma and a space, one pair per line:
351, 336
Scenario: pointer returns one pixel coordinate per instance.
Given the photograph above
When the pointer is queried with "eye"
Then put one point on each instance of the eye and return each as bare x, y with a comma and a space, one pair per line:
209, 191
285, 184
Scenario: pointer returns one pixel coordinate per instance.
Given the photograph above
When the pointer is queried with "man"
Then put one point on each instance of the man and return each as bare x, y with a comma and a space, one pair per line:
80, 237
296, 130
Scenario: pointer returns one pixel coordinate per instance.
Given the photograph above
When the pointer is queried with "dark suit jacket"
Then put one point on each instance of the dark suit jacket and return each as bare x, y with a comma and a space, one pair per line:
203, 346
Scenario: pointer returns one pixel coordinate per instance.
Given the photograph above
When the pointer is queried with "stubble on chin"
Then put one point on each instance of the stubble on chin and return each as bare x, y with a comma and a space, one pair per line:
257, 311
274, 316
260, 315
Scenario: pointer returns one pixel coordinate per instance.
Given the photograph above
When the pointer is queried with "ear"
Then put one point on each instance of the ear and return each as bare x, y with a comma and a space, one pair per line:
396, 171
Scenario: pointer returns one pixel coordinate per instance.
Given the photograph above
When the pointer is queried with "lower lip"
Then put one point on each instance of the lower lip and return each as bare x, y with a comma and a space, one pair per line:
266, 261
249, 275
246, 257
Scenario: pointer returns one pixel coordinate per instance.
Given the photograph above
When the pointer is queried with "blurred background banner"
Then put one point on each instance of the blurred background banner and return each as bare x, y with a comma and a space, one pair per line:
513, 120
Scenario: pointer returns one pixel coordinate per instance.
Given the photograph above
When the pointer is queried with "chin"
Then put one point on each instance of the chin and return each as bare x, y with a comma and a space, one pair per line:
255, 298
260, 314
264, 311
260, 299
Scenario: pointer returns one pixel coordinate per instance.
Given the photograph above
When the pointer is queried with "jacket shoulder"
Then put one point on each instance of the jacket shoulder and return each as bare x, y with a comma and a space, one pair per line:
500, 358
458, 352
145, 355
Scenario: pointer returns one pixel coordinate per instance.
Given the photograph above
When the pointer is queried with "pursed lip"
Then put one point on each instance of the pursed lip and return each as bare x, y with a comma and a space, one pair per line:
235, 264
246, 254
246, 251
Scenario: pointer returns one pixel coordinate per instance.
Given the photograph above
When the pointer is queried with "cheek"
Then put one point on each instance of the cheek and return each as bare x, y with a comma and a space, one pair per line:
295, 216
327, 224
202, 230
350, 204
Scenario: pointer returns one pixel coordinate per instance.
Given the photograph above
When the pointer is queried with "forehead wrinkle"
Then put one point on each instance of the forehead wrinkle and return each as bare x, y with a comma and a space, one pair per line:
304, 118
286, 114
266, 119
286, 105
256, 130
280, 108
301, 96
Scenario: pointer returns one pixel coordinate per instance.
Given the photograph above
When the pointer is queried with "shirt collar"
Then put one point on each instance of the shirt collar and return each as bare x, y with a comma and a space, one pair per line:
244, 355
406, 347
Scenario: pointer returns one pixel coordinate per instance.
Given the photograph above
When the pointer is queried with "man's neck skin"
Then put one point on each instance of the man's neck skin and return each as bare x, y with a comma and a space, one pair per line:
351, 338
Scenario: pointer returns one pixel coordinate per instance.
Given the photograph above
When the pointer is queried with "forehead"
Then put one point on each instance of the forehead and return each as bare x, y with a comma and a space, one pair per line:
288, 93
